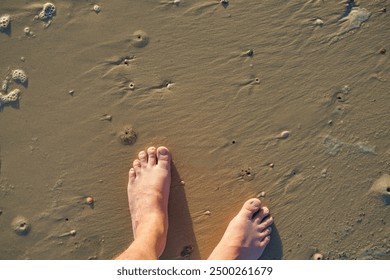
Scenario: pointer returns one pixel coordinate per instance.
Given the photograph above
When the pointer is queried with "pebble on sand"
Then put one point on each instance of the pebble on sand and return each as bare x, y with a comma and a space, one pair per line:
318, 22
284, 134
261, 194
89, 200
97, 9
317, 256
106, 117
382, 51
21, 225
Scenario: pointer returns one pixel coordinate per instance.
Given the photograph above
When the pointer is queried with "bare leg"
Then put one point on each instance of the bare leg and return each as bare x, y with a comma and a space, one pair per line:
148, 192
247, 234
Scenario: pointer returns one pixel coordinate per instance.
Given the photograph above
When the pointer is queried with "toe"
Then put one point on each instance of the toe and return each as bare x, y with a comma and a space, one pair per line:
250, 207
151, 156
265, 233
265, 241
267, 222
142, 158
131, 175
262, 214
137, 166
163, 158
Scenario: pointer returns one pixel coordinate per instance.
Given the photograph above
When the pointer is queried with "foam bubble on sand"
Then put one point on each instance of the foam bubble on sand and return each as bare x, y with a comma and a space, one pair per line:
352, 21
4, 22
19, 76
4, 86
355, 19
21, 225
139, 39
48, 11
10, 97
381, 188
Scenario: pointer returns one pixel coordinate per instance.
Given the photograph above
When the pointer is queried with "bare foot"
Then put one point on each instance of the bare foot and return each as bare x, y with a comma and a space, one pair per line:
247, 234
148, 192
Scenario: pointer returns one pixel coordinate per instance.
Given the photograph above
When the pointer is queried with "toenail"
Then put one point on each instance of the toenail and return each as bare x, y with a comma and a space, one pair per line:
142, 154
151, 149
163, 151
269, 230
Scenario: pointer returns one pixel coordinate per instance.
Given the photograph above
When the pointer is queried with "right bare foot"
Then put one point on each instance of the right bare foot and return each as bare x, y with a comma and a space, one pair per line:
247, 234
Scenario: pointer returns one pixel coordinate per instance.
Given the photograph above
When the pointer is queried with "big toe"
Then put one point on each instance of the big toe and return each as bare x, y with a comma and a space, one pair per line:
250, 208
163, 157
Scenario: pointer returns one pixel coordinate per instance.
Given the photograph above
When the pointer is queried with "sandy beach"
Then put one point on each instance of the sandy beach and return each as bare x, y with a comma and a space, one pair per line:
287, 101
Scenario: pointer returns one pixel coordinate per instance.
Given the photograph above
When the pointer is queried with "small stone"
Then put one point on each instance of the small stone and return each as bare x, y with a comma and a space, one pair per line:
106, 117
71, 92
1, 212
317, 256
284, 134
224, 1
324, 172
131, 86
182, 183
89, 200
271, 165
249, 52
207, 213
330, 122
262, 194
97, 9
73, 232
319, 22
22, 58
382, 51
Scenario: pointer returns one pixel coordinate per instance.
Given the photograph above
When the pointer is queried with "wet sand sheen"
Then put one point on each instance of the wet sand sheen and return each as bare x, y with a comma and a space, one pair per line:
252, 98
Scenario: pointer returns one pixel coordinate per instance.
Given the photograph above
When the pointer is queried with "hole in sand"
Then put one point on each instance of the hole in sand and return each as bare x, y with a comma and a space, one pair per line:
388, 189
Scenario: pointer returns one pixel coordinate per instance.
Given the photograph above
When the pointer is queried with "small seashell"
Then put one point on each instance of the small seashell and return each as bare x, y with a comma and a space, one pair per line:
284, 134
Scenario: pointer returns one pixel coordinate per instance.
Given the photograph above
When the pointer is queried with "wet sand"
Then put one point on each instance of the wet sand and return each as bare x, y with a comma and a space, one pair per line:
217, 85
